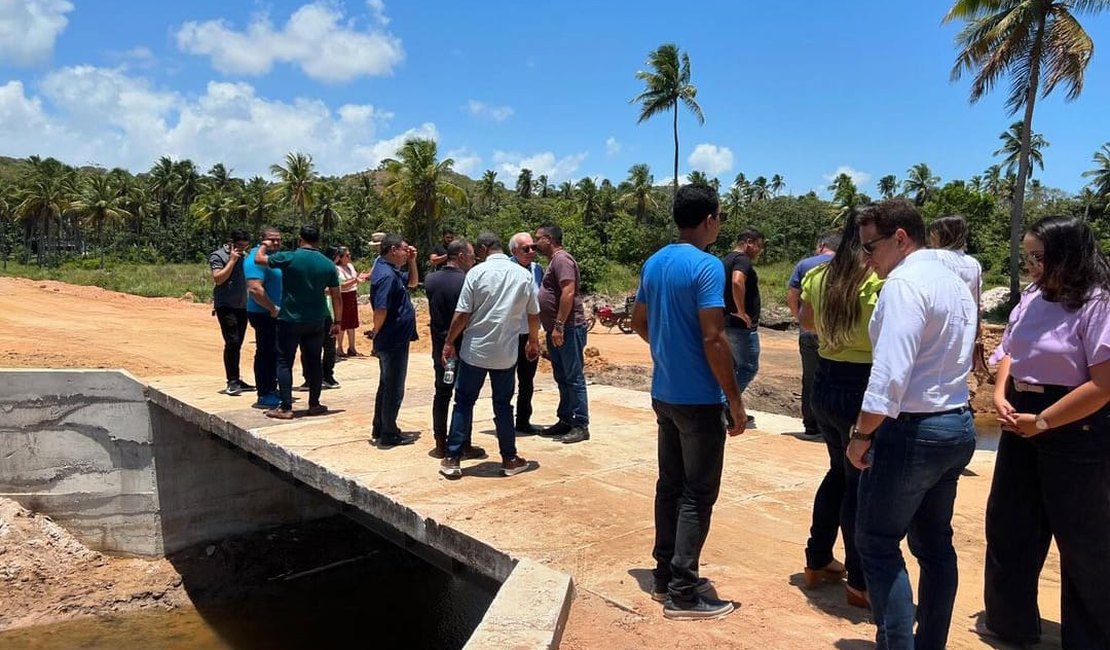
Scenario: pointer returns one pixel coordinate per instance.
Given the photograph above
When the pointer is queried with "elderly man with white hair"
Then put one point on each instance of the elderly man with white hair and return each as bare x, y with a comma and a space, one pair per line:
524, 253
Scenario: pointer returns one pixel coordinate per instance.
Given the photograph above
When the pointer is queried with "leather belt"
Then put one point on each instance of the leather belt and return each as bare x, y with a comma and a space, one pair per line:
1026, 387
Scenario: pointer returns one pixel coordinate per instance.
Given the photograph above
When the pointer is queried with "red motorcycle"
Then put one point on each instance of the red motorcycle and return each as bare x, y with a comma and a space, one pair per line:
611, 318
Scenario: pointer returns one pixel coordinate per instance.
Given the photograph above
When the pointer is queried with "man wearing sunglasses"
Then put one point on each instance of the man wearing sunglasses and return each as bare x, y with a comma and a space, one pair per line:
524, 253
914, 434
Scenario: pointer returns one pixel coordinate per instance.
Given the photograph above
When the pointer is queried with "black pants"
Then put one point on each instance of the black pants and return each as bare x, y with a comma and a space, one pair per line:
309, 337
691, 457
441, 402
838, 389
233, 327
1056, 484
265, 353
807, 347
526, 383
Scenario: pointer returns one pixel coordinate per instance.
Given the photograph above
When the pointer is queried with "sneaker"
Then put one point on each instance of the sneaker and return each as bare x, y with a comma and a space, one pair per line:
279, 414
751, 422
474, 453
233, 388
515, 466
701, 608
303, 388
328, 384
557, 429
703, 587
395, 441
527, 429
577, 434
450, 468
318, 409
244, 386
271, 401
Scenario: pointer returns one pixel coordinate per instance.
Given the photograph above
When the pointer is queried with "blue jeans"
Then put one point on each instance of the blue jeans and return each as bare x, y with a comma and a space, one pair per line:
745, 354
468, 383
566, 366
393, 368
909, 490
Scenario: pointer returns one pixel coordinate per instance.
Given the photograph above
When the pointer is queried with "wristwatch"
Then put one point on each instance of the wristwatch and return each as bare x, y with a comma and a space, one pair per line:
1041, 423
859, 435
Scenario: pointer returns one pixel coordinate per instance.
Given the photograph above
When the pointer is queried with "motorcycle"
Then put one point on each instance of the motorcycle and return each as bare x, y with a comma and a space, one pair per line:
611, 318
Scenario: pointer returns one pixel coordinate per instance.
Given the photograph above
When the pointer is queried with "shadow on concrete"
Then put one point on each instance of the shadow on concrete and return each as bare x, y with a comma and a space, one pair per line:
800, 435
644, 578
492, 469
853, 644
1050, 634
831, 600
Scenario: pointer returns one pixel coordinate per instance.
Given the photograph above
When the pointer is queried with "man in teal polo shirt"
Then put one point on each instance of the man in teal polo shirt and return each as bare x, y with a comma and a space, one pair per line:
306, 274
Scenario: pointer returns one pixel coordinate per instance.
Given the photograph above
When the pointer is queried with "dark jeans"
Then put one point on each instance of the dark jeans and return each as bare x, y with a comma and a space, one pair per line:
807, 347
327, 364
566, 366
441, 403
691, 456
309, 337
526, 383
744, 344
1052, 485
265, 353
468, 383
909, 490
233, 327
838, 389
393, 368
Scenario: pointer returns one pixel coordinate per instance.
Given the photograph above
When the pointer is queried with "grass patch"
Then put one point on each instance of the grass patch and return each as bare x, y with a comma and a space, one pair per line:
151, 280
616, 280
772, 281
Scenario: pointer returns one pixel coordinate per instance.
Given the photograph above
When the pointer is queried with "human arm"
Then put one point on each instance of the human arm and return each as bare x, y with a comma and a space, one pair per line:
223, 273
414, 273
1079, 403
532, 349
739, 289
717, 353
337, 308
352, 280
640, 321
458, 323
806, 318
794, 303
566, 304
1002, 405
258, 293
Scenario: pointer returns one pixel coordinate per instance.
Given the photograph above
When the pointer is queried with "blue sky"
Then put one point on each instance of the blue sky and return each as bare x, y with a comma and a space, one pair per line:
800, 89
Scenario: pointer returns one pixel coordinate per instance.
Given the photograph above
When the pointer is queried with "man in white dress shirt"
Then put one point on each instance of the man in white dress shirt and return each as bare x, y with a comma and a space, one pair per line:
914, 434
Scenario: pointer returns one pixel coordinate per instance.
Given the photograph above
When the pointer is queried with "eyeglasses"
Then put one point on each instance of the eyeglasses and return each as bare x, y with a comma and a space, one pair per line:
531, 248
869, 246
1036, 257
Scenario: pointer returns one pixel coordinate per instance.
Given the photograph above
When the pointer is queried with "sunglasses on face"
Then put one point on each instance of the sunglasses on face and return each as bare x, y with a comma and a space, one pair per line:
530, 248
869, 246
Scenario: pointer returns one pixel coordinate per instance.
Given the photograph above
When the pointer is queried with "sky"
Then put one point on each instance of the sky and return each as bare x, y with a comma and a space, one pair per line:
806, 90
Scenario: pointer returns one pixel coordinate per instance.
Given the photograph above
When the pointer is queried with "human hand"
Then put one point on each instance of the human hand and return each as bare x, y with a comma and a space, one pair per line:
558, 337
532, 350
1023, 424
363, 277
744, 317
739, 417
448, 352
335, 330
274, 311
857, 453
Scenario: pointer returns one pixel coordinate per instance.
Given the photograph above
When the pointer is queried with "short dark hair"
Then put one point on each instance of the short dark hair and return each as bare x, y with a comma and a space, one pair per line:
310, 233
269, 230
830, 240
447, 230
389, 242
950, 232
456, 248
238, 235
693, 204
890, 215
552, 231
335, 252
749, 234
488, 241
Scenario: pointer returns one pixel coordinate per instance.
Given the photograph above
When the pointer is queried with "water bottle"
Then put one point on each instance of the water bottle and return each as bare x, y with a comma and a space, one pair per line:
449, 371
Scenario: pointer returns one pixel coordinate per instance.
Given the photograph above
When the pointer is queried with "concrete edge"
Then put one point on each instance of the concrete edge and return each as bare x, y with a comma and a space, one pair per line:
529, 612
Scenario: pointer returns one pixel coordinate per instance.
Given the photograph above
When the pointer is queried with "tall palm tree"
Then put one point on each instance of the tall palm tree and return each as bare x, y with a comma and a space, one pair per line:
759, 190
1012, 146
846, 197
524, 184
1100, 175
212, 208
325, 197
99, 202
1017, 38
586, 195
776, 185
295, 180
637, 191
188, 183
542, 188
665, 85
417, 188
7, 216
256, 198
487, 189
220, 177
734, 200
697, 178
920, 182
48, 187
888, 186
743, 186
566, 190
162, 181
992, 180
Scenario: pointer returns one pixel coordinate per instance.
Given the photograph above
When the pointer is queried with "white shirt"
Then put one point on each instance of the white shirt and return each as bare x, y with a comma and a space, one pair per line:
922, 332
963, 265
497, 294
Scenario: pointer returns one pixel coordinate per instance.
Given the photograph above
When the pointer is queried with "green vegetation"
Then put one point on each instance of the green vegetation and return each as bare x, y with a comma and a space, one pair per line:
154, 281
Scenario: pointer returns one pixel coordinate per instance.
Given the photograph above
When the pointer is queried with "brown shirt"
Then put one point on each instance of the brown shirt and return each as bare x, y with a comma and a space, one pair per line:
561, 268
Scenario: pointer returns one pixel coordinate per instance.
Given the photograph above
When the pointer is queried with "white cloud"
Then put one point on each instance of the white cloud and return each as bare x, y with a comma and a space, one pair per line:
377, 7
612, 147
858, 177
482, 109
542, 164
97, 115
317, 37
466, 161
28, 29
711, 159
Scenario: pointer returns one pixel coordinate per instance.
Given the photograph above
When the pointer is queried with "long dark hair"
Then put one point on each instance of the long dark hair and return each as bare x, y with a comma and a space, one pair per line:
846, 273
1074, 266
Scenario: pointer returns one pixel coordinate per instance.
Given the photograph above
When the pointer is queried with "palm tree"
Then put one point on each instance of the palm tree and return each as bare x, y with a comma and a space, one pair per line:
566, 190
325, 196
162, 182
542, 187
637, 191
665, 85
743, 186
256, 198
777, 184
220, 177
920, 182
47, 191
188, 183
888, 186
697, 178
417, 188
846, 197
759, 190
212, 209
1011, 148
99, 202
487, 189
7, 215
992, 180
734, 200
586, 194
524, 184
295, 181
1016, 38
1100, 175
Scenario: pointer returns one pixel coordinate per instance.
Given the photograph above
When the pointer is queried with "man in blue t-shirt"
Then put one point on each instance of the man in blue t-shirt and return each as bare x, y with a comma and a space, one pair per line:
263, 305
679, 311
394, 329
807, 341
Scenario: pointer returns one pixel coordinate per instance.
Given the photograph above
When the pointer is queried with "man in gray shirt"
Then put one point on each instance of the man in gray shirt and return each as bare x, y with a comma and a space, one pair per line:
229, 303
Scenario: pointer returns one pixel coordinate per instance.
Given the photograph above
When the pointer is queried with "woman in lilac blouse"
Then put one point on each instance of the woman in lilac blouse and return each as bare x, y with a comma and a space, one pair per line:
1052, 471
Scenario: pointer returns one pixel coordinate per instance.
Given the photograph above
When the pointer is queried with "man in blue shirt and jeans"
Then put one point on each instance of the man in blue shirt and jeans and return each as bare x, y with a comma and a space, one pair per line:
679, 311
394, 329
263, 305
807, 340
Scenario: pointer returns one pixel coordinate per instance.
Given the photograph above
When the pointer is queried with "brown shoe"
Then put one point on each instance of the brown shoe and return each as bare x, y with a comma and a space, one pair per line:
319, 409
474, 453
450, 468
515, 466
857, 597
832, 572
279, 414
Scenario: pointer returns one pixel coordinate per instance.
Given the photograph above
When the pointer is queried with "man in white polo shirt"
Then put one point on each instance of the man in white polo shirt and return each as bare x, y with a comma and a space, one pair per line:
496, 295
914, 434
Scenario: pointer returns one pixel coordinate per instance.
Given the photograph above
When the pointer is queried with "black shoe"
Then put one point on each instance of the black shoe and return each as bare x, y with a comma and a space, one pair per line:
303, 388
557, 429
527, 429
577, 434
395, 441
244, 386
329, 384
701, 608
233, 388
